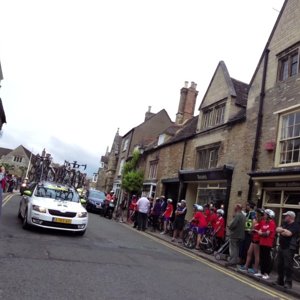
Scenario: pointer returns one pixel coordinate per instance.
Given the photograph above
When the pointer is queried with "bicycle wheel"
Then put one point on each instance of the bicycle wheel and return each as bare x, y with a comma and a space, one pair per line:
206, 245
296, 267
189, 239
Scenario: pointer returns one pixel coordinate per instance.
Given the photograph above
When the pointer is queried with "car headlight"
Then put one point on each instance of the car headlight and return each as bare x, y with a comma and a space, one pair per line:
38, 208
82, 214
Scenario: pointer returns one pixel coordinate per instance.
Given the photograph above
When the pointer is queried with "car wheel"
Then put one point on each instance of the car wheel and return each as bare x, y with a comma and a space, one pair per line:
19, 213
25, 224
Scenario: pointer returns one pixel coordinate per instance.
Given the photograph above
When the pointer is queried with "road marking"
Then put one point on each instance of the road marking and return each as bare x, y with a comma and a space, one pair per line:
223, 270
6, 199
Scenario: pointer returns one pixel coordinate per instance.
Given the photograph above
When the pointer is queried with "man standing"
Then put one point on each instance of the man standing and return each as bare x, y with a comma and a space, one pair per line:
143, 206
236, 234
179, 221
288, 238
245, 244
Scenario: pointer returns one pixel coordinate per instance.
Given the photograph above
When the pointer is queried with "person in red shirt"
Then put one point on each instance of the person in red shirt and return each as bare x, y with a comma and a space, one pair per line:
213, 217
167, 215
202, 225
254, 245
266, 234
133, 210
219, 228
194, 221
207, 213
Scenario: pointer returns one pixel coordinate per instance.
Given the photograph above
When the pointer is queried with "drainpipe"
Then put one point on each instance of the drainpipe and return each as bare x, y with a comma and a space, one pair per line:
259, 121
181, 166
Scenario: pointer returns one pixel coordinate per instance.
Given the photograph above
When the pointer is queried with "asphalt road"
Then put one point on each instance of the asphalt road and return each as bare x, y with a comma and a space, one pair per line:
112, 261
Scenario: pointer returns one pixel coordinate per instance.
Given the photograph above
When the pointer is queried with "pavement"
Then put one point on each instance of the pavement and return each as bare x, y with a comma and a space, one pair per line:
295, 291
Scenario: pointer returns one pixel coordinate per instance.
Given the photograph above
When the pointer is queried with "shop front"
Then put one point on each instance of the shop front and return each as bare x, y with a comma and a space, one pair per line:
210, 186
171, 189
278, 190
149, 189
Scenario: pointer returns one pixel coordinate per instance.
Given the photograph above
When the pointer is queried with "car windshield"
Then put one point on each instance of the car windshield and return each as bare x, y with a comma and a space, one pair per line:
56, 192
97, 194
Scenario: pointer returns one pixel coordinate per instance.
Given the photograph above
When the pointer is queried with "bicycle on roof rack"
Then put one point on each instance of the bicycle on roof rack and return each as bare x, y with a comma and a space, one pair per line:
68, 173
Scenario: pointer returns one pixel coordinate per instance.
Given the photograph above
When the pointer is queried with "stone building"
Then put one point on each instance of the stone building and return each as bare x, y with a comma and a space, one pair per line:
164, 157
273, 117
108, 165
140, 137
17, 159
204, 161
214, 167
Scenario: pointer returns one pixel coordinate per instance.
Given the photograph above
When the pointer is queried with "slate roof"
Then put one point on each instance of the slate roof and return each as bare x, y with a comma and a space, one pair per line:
188, 130
241, 90
183, 132
4, 151
237, 89
172, 129
104, 159
27, 152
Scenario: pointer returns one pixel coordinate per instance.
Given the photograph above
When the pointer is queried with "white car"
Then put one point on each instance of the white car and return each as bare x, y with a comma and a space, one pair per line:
52, 205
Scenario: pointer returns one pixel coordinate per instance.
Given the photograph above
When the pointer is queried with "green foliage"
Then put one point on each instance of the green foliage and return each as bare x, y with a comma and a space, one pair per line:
8, 167
132, 164
132, 180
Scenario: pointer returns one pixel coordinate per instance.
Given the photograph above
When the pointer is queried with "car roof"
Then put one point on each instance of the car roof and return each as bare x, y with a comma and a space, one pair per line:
55, 185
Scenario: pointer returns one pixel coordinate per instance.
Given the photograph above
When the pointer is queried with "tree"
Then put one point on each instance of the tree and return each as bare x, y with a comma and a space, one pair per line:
132, 180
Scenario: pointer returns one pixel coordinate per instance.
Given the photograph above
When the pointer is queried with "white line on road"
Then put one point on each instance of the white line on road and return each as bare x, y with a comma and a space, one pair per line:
6, 199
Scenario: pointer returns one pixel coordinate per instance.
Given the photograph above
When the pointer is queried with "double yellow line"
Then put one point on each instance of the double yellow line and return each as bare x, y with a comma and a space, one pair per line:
6, 199
221, 269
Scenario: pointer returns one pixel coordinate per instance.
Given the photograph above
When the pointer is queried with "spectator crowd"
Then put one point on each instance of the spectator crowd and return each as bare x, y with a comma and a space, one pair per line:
251, 235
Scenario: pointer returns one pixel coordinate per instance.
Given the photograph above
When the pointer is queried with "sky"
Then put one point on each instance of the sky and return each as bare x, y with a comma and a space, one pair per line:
77, 70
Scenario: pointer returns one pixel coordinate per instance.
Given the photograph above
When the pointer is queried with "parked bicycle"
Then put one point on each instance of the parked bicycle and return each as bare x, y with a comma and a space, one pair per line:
207, 244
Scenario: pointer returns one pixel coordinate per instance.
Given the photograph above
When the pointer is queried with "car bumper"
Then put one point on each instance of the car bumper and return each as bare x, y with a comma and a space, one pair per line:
60, 223
94, 207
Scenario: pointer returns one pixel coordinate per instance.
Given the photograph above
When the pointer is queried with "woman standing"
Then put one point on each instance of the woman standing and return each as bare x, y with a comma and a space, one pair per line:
167, 215
2, 185
254, 246
266, 240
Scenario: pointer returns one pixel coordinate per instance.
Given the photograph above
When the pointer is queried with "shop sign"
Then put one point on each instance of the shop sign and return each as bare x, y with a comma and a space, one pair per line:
285, 184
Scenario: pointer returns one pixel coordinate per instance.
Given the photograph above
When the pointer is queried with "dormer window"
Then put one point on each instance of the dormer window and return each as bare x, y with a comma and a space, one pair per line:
288, 64
213, 116
161, 139
125, 145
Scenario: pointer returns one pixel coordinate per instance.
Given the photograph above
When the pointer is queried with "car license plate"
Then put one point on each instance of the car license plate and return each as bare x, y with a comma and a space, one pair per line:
59, 220
98, 206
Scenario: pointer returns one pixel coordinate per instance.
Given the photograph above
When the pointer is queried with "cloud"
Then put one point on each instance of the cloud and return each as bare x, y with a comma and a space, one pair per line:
61, 151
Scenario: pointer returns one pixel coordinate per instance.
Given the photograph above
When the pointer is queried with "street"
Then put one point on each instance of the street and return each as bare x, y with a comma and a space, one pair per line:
112, 261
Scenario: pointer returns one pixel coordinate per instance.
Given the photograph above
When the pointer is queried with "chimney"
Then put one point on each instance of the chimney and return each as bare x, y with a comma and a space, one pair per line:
148, 114
187, 102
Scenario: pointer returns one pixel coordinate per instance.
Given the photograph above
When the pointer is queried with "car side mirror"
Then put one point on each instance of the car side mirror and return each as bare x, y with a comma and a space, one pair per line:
27, 193
82, 201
